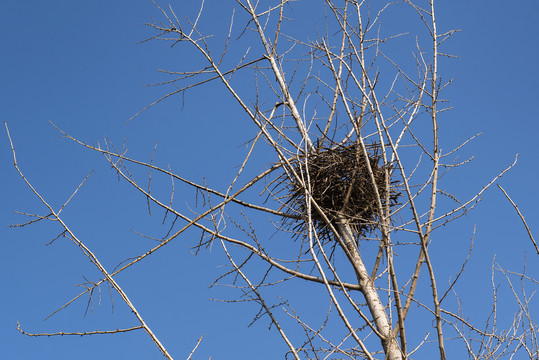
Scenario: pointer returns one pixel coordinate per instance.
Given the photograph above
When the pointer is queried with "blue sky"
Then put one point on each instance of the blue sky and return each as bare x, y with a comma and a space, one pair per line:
78, 65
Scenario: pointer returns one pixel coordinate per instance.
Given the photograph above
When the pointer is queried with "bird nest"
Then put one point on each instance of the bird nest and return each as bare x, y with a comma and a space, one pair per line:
341, 186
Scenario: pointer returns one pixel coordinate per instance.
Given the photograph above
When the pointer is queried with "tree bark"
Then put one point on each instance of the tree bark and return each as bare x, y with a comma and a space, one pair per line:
376, 308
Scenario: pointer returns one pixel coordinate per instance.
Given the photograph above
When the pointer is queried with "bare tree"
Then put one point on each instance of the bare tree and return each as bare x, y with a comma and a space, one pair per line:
355, 179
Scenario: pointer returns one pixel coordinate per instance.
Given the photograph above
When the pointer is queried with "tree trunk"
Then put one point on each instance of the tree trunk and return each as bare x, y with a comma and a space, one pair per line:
377, 309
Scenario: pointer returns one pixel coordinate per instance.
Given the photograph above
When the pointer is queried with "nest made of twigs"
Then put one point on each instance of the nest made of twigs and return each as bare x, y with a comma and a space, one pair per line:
342, 187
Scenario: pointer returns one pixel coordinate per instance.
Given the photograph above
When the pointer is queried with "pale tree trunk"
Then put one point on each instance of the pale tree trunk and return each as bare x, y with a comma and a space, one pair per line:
367, 288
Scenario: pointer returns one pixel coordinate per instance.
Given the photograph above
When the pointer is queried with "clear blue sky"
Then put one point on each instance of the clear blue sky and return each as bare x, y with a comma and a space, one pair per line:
77, 64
